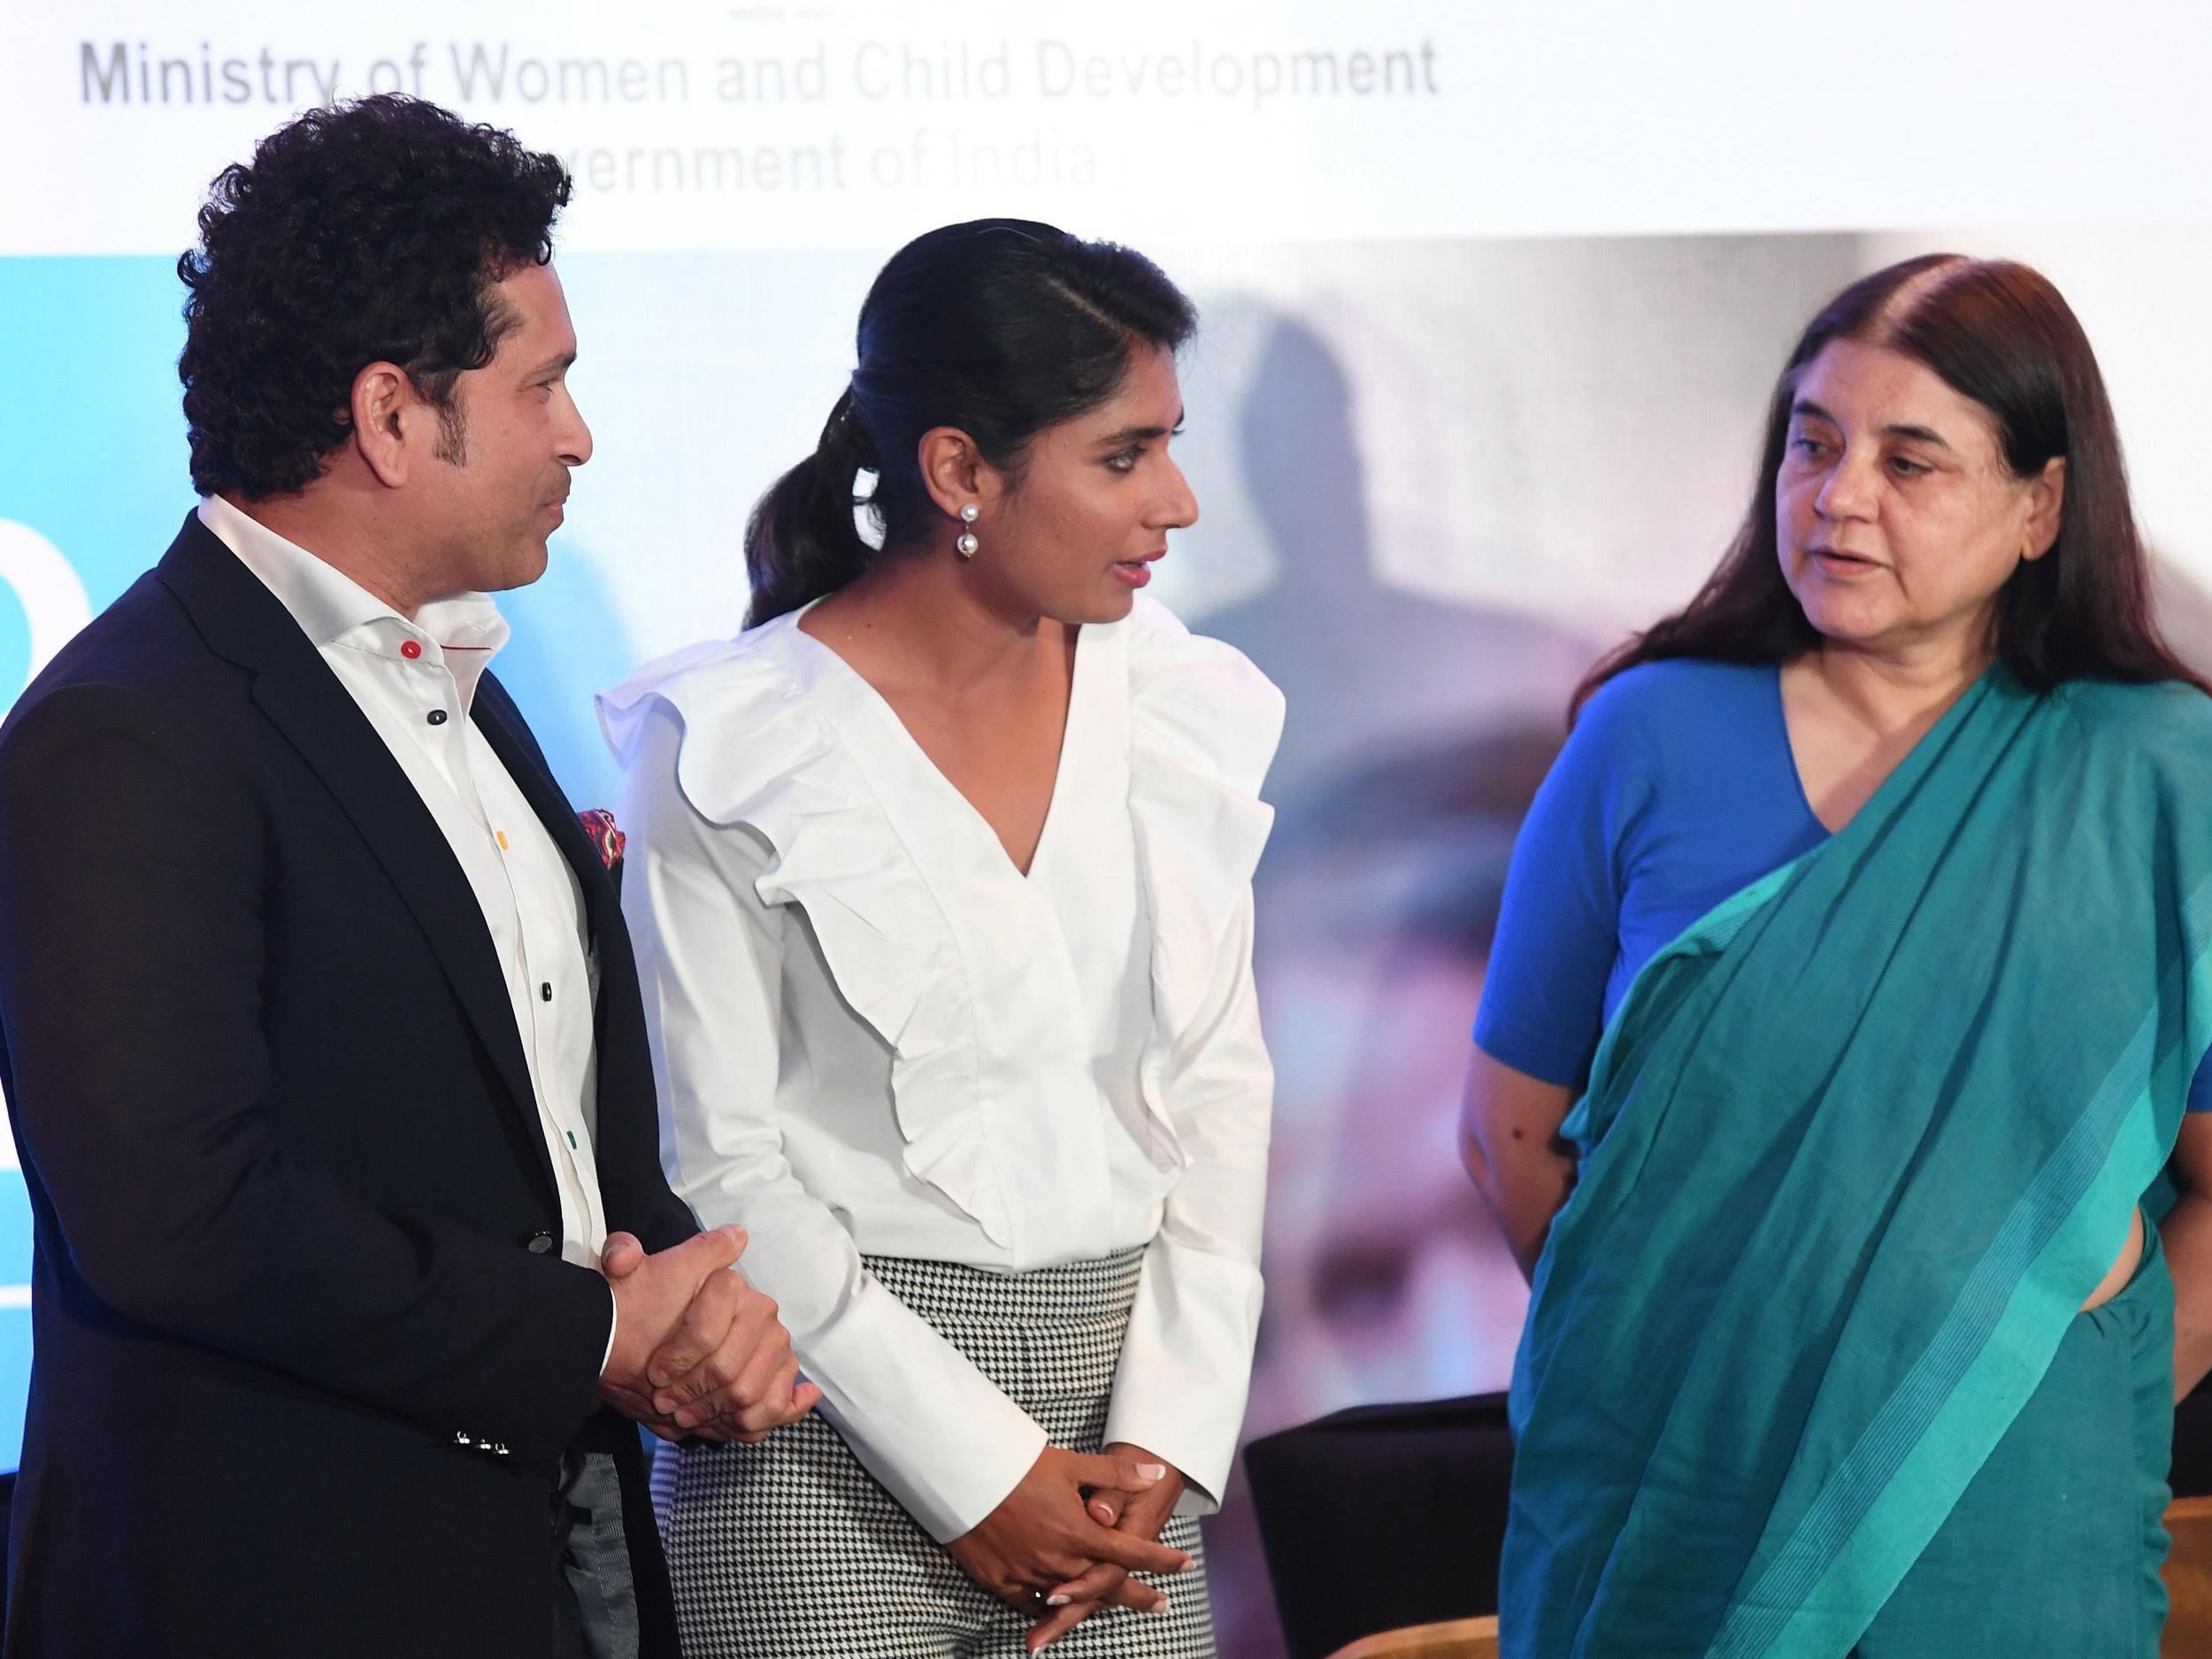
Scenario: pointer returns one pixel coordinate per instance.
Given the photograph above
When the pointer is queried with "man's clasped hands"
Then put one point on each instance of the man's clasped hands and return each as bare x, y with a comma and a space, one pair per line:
697, 1350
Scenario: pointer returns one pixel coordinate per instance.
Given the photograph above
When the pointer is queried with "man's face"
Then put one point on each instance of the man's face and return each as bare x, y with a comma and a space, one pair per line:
496, 493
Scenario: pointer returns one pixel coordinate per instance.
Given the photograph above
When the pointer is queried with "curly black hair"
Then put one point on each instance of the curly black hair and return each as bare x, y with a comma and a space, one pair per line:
369, 230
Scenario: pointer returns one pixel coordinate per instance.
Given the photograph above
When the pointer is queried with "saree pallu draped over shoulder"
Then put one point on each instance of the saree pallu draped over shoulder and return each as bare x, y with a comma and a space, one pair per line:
1855, 1148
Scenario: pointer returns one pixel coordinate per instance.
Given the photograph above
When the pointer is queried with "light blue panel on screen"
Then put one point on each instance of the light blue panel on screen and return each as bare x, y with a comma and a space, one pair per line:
567, 643
92, 454
92, 460
15, 1315
15, 1245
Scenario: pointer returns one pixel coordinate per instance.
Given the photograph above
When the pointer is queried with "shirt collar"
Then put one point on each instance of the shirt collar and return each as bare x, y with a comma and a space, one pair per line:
461, 633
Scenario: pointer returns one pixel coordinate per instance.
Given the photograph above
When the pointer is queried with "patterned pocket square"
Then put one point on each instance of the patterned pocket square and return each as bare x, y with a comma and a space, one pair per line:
599, 826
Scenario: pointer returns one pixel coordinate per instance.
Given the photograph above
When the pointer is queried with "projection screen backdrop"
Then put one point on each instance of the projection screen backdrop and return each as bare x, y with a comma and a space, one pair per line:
1493, 296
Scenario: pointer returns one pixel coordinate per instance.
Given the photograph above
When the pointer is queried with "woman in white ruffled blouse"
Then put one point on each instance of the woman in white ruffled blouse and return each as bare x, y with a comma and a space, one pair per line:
941, 879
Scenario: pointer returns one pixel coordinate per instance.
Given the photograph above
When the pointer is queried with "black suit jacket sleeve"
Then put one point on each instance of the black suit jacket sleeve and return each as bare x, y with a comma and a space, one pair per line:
133, 874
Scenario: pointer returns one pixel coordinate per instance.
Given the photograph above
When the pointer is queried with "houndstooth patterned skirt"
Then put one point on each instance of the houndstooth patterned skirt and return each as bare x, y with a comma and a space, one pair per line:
790, 1549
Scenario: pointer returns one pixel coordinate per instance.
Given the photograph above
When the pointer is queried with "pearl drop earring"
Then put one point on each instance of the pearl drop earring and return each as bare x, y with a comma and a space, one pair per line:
965, 542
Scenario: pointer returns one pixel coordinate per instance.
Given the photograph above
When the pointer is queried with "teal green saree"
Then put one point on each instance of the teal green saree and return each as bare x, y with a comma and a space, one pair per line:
1855, 1148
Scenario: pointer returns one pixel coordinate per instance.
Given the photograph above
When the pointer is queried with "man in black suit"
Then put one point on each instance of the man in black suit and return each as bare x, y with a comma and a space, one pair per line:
318, 1019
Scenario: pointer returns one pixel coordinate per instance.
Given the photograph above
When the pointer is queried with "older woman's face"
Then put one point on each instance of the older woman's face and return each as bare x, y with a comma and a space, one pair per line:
1896, 515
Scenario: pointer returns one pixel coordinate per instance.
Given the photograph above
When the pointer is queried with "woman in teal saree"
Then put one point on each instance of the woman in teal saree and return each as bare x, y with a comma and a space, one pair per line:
1848, 1336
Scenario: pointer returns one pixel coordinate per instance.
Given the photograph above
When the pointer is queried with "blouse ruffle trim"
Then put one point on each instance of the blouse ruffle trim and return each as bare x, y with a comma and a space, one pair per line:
755, 752
1204, 724
759, 749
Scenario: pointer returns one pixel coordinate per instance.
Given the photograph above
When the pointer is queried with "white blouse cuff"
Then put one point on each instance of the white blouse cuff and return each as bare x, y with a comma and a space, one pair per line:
938, 1434
1186, 1366
953, 1494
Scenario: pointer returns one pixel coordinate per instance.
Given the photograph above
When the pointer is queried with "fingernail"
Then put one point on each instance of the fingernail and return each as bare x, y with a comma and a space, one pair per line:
684, 1419
1158, 1610
1057, 1601
1153, 1472
659, 1376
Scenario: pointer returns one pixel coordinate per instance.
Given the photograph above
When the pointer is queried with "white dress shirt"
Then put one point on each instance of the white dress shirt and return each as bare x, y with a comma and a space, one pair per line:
874, 1034
414, 681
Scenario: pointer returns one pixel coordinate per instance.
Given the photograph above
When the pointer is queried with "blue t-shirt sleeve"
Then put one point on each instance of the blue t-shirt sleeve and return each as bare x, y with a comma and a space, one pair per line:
2200, 1087
1543, 996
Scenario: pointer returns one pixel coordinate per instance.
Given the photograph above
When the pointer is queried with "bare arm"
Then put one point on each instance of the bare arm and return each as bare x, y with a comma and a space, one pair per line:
2186, 1232
1508, 1138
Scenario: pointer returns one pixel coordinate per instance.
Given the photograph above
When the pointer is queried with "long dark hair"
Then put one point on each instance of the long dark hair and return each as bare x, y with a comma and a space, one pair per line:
2000, 333
1000, 328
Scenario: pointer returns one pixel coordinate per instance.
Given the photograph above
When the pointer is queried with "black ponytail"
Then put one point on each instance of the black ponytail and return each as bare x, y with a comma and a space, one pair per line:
800, 541
999, 327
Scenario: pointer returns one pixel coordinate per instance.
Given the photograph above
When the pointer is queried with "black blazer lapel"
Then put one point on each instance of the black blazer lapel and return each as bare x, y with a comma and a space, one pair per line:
627, 1137
243, 621
618, 1019
510, 736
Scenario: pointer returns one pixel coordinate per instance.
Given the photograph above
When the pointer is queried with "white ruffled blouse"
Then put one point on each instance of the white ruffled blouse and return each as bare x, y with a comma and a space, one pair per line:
875, 1034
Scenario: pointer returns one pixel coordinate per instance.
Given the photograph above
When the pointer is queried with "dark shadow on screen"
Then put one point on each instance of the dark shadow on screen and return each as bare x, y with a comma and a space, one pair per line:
1417, 730
1366, 667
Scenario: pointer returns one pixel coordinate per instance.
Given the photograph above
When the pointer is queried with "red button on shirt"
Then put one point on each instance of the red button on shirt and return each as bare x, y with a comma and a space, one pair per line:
409, 650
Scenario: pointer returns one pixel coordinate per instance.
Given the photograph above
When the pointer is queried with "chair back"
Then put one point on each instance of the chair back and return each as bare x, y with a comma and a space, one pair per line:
1383, 1516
